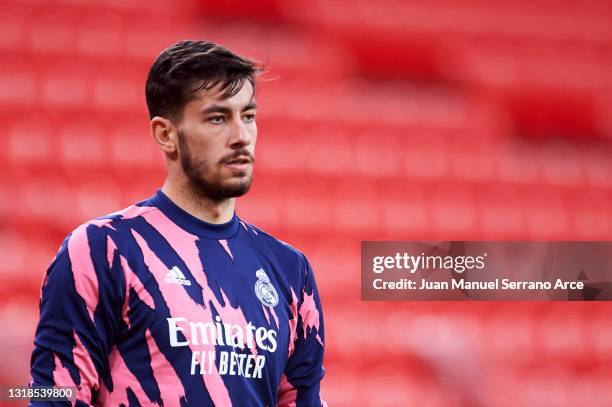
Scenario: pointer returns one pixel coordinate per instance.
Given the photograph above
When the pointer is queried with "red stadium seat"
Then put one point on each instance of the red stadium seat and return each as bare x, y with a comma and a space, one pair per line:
378, 120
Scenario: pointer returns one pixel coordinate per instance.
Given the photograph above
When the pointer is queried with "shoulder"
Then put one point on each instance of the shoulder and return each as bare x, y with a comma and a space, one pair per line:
112, 220
94, 243
275, 245
106, 230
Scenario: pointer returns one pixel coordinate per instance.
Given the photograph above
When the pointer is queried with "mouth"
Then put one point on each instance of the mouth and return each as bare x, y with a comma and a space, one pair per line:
239, 163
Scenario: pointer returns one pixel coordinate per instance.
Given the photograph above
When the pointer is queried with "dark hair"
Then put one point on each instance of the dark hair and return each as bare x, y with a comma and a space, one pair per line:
187, 67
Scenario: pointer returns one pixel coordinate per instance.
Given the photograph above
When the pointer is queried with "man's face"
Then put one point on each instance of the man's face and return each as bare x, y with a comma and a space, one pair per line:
217, 142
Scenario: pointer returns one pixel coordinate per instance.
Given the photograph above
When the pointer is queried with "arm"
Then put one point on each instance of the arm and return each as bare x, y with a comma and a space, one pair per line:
80, 313
304, 371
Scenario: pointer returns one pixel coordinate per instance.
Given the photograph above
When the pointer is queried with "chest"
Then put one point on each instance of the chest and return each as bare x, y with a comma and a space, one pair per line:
219, 307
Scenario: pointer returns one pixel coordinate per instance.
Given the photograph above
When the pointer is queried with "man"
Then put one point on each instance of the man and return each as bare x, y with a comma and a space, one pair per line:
175, 300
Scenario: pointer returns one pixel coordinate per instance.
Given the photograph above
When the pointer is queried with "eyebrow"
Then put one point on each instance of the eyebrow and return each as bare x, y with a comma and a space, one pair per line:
227, 110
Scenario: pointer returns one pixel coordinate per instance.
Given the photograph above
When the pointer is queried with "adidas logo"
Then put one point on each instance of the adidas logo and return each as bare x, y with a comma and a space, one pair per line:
176, 276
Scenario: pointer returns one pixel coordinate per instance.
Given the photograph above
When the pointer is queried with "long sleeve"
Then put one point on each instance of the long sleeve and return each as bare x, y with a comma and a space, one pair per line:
301, 380
80, 314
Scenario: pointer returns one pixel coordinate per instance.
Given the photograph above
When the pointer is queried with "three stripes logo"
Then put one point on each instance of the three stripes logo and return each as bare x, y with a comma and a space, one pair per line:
176, 276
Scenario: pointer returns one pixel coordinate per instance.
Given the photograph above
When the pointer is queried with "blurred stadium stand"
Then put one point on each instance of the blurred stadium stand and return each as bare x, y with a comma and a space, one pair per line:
379, 120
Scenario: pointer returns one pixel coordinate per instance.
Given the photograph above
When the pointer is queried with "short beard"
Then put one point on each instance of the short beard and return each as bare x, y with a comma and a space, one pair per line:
201, 185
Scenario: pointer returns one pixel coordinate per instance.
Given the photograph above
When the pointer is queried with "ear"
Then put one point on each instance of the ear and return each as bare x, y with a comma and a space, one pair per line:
165, 134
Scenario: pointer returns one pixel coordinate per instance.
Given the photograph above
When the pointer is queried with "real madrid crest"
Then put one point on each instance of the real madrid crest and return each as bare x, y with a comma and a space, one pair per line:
264, 290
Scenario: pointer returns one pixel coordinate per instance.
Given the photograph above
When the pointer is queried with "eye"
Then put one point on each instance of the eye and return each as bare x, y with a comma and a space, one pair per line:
249, 117
216, 119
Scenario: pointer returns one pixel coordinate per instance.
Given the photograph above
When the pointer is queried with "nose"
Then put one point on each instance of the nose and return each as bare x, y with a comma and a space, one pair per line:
241, 134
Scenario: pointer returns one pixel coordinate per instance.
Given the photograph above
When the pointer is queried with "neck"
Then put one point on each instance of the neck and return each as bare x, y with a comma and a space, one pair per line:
205, 209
